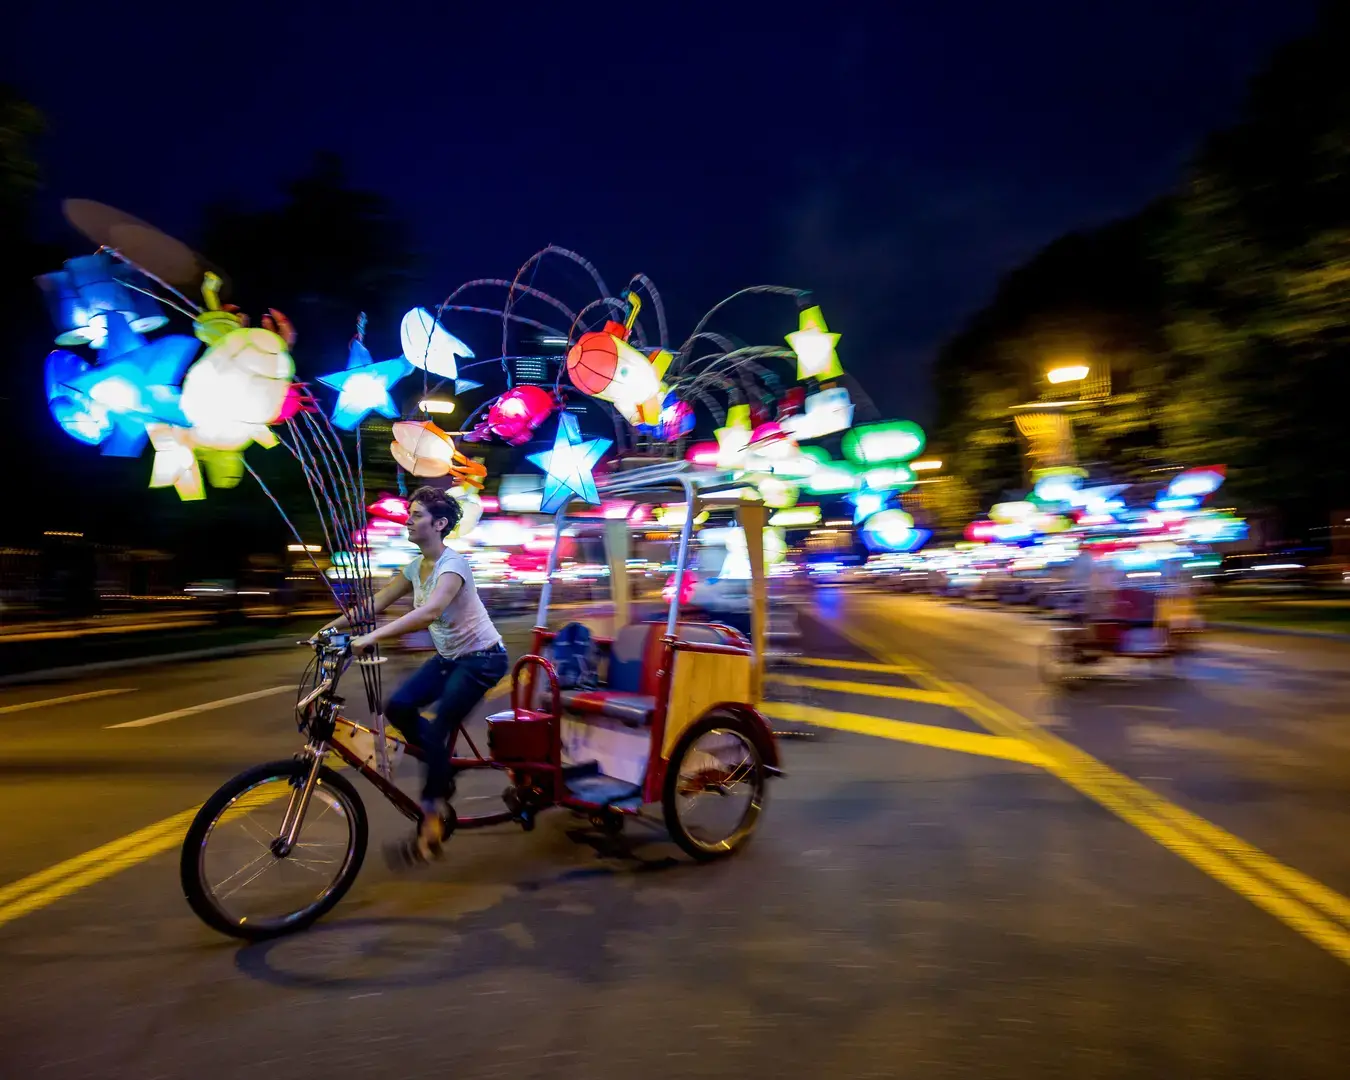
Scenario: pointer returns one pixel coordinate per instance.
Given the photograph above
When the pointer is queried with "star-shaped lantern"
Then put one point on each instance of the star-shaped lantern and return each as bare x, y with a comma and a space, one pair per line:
733, 438
814, 346
135, 386
364, 387
175, 461
569, 466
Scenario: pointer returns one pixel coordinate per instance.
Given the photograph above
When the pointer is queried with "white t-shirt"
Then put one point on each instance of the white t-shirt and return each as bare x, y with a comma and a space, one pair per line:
464, 626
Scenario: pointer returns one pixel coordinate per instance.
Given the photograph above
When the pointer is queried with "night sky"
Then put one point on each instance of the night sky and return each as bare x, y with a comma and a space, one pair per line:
896, 158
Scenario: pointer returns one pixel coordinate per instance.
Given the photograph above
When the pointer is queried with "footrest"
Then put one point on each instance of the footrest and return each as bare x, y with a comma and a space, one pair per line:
602, 790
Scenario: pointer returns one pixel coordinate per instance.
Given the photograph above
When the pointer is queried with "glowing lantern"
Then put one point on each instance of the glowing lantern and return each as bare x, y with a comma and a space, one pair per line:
90, 288
815, 347
879, 444
603, 365
797, 517
364, 387
78, 414
1196, 483
422, 448
826, 412
1059, 485
429, 345
703, 453
981, 532
1007, 513
832, 478
676, 420
866, 503
390, 508
136, 386
569, 466
175, 462
733, 438
514, 416
889, 478
778, 494
892, 530
237, 388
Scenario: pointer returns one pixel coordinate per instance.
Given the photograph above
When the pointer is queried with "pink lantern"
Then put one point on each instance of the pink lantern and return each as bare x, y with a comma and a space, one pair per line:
390, 508
514, 416
703, 453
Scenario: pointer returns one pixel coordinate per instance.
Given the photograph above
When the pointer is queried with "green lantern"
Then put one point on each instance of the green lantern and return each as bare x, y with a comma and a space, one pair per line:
885, 443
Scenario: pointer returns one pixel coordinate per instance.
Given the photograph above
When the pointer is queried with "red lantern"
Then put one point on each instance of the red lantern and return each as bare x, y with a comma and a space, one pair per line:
592, 361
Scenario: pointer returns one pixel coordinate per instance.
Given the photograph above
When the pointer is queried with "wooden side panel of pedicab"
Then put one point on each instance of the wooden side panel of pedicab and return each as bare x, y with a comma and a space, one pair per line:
700, 681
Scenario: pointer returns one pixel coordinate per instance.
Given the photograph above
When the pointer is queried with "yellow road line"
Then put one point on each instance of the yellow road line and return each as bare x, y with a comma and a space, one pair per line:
38, 890
964, 742
1300, 902
64, 699
22, 897
843, 686
852, 665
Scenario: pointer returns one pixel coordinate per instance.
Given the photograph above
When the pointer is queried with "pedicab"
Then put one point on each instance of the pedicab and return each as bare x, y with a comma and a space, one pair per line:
670, 721
1134, 615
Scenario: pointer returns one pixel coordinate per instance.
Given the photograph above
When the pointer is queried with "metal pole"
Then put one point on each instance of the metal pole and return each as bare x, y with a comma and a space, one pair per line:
552, 568
685, 532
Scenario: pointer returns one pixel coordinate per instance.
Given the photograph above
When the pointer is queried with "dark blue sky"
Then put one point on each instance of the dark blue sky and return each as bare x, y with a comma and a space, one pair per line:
894, 157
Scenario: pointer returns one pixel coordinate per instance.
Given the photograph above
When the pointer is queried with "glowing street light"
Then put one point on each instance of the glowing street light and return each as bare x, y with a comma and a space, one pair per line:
927, 465
1067, 373
437, 405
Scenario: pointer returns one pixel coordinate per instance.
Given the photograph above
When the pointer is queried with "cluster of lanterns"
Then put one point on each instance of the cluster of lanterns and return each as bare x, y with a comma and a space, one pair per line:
195, 411
1062, 504
201, 412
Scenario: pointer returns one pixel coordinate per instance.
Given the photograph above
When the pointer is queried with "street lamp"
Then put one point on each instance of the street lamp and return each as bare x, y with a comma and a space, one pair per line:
1067, 373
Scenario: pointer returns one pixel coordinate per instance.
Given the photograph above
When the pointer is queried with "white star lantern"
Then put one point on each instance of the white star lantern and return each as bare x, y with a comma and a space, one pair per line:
569, 466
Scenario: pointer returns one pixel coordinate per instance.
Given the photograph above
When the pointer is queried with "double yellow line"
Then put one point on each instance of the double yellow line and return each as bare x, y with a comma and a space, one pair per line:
47, 886
1320, 914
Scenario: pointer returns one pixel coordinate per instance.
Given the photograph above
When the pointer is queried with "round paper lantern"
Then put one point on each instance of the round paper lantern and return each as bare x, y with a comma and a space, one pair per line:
592, 362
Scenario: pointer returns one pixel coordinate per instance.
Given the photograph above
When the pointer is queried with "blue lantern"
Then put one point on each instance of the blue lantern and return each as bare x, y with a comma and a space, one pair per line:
569, 466
90, 288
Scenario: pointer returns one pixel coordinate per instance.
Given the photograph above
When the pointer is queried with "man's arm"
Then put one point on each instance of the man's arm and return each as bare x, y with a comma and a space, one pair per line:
395, 590
445, 590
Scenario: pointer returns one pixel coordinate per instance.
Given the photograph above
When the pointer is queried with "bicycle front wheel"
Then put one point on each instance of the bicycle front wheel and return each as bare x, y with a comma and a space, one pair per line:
234, 873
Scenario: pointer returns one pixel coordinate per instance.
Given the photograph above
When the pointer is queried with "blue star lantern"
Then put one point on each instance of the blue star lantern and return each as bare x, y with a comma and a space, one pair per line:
136, 385
364, 387
569, 466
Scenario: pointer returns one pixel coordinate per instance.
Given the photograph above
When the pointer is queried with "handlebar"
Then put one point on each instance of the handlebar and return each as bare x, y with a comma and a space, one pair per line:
531, 660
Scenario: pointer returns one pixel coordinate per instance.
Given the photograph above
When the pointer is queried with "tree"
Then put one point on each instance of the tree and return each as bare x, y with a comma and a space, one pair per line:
1095, 294
1259, 258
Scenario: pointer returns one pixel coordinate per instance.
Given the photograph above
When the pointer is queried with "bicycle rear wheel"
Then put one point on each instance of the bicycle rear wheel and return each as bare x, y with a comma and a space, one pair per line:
231, 872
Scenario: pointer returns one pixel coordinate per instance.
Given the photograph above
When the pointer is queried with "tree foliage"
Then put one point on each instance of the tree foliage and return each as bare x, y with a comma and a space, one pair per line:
1094, 295
1259, 261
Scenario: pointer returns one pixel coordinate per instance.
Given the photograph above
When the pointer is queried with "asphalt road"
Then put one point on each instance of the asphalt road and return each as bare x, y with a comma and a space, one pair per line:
962, 875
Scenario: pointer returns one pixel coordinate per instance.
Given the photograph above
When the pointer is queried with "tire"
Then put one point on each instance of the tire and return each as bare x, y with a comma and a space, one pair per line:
330, 790
707, 848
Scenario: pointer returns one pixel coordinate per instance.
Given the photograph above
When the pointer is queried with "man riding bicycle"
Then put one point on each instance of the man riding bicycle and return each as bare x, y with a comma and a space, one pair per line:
470, 656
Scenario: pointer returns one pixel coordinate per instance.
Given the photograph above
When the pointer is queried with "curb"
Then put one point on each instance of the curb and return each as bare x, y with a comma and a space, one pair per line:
1281, 631
76, 671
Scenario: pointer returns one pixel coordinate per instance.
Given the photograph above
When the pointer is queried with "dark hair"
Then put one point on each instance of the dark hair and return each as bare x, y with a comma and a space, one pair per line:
439, 505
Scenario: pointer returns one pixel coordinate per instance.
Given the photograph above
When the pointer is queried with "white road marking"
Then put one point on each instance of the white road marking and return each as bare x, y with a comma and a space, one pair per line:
25, 705
192, 710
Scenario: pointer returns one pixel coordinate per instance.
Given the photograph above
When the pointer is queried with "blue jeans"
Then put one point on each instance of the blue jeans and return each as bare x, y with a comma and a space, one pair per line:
456, 686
